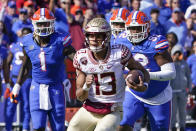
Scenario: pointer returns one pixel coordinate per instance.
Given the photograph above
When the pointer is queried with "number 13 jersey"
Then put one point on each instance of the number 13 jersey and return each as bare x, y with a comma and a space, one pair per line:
109, 83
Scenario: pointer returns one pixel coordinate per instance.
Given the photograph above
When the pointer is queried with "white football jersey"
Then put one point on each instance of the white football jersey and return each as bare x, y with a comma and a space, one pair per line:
109, 83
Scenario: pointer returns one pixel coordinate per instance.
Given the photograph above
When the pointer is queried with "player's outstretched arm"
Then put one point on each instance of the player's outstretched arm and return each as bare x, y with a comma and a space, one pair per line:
69, 51
6, 74
166, 64
23, 68
82, 86
21, 75
52, 6
6, 71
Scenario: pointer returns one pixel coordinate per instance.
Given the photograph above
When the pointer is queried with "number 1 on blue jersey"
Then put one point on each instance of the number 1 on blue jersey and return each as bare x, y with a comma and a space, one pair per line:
42, 60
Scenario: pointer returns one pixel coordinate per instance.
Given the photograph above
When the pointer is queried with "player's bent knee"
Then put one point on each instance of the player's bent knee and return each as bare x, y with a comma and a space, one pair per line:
125, 128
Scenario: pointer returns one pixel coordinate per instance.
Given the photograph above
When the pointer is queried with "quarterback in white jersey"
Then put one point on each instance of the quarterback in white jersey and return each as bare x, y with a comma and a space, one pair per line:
100, 82
108, 74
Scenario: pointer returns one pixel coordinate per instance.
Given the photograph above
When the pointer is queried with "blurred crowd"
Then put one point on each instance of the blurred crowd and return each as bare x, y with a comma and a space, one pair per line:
177, 16
175, 19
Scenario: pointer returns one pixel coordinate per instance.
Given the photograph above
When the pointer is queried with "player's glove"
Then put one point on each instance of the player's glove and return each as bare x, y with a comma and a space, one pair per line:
7, 91
67, 86
14, 93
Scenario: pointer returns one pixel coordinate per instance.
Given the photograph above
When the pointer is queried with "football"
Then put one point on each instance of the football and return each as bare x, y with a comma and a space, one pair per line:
133, 75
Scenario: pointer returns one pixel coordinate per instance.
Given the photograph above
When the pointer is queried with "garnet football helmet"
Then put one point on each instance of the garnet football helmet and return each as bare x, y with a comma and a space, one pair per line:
137, 26
43, 22
119, 16
98, 26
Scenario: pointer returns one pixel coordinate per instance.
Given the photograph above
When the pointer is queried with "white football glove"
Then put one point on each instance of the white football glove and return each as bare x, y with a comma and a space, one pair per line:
14, 93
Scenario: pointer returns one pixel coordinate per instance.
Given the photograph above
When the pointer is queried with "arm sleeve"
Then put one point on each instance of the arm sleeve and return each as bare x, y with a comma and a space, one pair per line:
161, 45
167, 72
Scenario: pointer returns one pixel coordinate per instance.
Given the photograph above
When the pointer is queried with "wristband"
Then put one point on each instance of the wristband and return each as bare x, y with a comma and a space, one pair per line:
16, 89
85, 88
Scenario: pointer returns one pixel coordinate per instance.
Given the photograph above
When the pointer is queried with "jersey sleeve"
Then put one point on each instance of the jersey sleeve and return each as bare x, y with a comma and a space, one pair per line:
66, 40
25, 42
125, 55
60, 15
161, 44
57, 13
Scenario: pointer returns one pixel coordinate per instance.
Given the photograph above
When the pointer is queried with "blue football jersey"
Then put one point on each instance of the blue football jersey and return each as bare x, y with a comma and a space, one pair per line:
18, 55
47, 62
144, 53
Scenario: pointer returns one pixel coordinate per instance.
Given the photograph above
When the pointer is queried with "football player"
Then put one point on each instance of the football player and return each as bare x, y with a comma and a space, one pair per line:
14, 62
117, 21
45, 49
151, 52
100, 82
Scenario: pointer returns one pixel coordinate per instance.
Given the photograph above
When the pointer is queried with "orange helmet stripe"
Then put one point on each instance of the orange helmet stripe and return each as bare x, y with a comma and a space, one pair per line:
121, 12
44, 13
114, 14
129, 19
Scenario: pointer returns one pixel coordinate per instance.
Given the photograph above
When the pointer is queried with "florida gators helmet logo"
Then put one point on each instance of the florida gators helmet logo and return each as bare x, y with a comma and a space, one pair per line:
137, 26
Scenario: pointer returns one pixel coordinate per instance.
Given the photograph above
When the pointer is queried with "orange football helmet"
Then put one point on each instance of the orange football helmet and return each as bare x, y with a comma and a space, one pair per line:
137, 26
119, 16
43, 22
